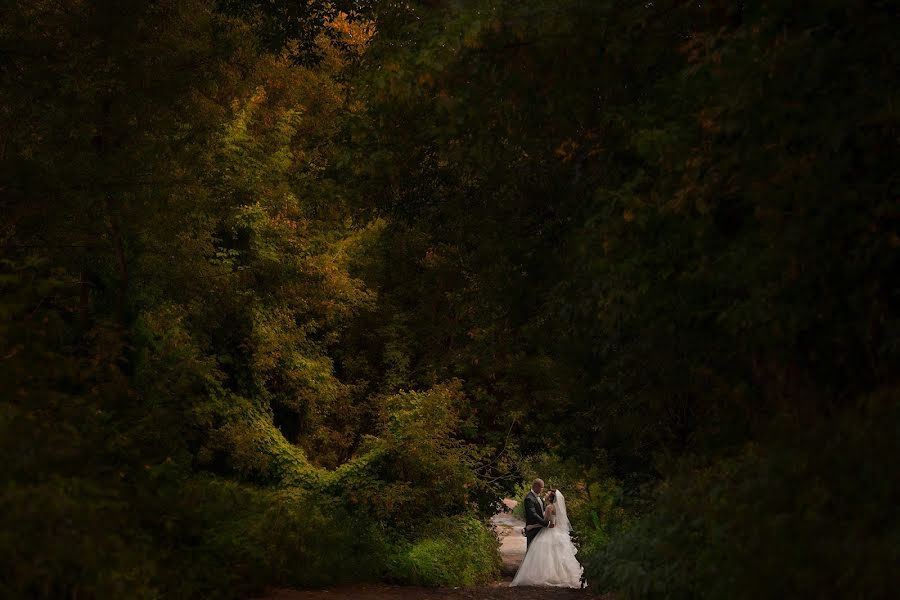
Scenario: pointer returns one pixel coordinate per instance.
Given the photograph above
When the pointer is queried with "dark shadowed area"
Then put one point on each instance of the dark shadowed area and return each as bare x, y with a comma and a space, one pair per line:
293, 294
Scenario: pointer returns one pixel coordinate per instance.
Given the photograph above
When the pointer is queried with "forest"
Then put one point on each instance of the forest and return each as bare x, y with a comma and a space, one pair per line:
294, 293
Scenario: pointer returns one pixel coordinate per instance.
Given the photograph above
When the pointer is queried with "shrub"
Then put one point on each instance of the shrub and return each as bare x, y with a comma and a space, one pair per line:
519, 494
70, 537
801, 516
234, 539
455, 551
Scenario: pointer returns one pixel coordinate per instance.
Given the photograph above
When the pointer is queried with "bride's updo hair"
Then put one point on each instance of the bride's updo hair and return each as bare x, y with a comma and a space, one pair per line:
551, 497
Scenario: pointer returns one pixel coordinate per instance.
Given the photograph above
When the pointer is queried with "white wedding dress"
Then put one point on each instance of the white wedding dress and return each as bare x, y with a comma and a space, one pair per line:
550, 561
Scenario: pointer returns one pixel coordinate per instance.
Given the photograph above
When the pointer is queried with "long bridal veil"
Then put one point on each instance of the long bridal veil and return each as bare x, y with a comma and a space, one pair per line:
562, 519
550, 561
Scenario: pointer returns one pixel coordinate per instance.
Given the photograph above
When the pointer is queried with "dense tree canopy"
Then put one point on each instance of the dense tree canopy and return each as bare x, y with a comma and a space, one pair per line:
295, 292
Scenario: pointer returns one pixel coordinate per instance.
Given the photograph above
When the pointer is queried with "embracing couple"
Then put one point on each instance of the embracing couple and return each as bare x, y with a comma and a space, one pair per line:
550, 557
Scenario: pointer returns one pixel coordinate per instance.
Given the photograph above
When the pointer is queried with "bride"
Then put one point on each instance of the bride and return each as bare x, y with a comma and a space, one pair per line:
550, 560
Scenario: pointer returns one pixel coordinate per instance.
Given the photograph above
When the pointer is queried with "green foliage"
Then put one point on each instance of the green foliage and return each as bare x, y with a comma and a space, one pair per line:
422, 450
296, 26
643, 234
453, 552
204, 537
253, 537
295, 317
416, 465
73, 536
817, 503
519, 492
177, 286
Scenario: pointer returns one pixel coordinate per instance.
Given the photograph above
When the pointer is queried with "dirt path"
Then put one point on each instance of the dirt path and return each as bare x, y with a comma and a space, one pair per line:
512, 551
512, 542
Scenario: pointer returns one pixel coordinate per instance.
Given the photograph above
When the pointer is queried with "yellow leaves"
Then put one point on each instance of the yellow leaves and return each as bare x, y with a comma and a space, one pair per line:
356, 33
707, 123
15, 350
426, 79
628, 215
567, 149
236, 131
341, 23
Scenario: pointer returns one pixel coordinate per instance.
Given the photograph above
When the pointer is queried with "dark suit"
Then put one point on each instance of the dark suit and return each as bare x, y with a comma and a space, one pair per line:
534, 515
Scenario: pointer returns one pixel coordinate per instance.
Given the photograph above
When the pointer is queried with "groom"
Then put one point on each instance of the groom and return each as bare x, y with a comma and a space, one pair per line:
534, 512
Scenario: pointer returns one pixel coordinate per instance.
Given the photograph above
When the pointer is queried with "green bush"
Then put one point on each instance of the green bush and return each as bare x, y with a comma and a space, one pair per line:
202, 537
455, 551
519, 494
253, 537
604, 514
801, 516
70, 537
